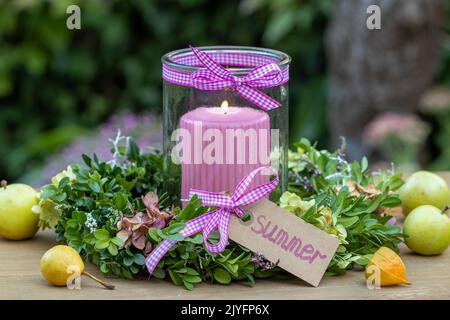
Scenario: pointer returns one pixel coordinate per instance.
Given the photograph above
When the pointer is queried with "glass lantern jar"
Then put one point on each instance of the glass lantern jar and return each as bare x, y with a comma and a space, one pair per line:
225, 114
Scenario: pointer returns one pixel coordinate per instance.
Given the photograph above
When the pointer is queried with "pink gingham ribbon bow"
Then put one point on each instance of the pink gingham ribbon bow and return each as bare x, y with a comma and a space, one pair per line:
215, 77
219, 218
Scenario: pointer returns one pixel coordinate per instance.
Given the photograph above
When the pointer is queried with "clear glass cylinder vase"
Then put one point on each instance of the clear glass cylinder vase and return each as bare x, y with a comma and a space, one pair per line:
218, 136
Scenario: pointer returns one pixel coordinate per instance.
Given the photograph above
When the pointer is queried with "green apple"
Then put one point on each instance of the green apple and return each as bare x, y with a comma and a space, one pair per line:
423, 188
17, 221
428, 230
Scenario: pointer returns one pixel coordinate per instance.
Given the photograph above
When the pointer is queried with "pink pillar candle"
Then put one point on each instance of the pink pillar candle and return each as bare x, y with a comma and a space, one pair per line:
220, 146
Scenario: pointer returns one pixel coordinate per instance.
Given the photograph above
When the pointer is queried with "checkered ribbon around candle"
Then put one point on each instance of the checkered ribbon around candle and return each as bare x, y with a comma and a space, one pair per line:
265, 74
219, 218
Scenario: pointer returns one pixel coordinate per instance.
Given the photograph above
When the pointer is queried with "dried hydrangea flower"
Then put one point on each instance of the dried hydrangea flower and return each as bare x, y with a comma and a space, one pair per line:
133, 230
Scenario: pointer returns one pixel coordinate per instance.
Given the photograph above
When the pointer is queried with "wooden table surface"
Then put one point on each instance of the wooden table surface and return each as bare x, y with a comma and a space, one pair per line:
20, 278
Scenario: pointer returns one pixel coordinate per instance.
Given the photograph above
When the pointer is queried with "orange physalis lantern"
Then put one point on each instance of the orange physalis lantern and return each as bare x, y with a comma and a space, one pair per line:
386, 268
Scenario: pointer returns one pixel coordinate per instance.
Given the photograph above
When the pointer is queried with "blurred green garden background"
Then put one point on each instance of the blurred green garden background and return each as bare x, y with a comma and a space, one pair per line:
63, 92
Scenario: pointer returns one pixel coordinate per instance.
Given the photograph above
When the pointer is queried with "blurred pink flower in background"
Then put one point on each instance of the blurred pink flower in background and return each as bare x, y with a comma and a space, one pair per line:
407, 127
398, 137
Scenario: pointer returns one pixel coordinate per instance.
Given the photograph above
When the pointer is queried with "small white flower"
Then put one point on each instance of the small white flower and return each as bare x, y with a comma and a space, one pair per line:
90, 223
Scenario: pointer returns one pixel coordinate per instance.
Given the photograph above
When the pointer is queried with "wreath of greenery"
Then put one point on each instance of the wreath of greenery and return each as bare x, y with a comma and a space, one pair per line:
114, 213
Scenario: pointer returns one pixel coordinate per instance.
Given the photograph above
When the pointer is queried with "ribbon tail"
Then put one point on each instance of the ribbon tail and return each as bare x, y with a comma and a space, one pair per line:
258, 98
222, 223
192, 227
158, 253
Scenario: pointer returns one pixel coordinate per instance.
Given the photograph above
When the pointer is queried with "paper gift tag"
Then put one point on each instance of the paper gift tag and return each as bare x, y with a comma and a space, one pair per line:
299, 247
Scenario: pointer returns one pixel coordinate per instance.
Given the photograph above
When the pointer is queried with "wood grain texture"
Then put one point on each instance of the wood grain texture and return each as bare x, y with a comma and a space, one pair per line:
20, 278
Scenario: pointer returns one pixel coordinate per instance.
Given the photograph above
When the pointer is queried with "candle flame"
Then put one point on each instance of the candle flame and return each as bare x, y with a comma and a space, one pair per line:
224, 106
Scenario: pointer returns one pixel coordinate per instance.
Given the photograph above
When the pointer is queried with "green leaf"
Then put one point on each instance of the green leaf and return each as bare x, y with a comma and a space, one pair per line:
184, 255
231, 268
101, 234
72, 236
225, 255
364, 260
133, 150
117, 241
86, 159
121, 201
159, 273
134, 269
102, 244
161, 233
139, 259
191, 272
182, 270
126, 274
236, 259
364, 164
391, 202
356, 172
197, 239
374, 205
192, 279
81, 187
94, 186
60, 197
153, 234
64, 181
72, 224
188, 285
176, 227
339, 200
392, 230
176, 279
128, 261
104, 268
48, 191
176, 237
221, 276
112, 249
82, 171
89, 203
395, 182
348, 222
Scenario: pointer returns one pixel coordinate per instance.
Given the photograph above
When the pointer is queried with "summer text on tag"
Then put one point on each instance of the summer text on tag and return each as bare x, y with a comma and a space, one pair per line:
299, 247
